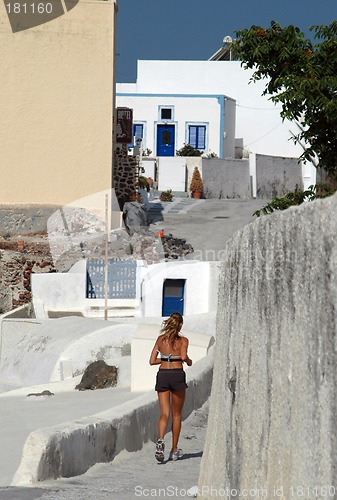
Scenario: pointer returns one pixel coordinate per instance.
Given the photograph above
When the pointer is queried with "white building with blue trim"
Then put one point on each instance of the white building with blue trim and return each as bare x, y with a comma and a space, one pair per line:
212, 105
165, 122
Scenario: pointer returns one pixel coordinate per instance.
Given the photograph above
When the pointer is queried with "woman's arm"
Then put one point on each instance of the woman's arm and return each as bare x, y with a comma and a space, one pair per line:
183, 352
154, 360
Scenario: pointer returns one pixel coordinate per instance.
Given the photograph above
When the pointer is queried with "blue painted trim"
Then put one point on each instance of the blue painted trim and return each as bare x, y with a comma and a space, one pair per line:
205, 125
168, 106
201, 96
221, 100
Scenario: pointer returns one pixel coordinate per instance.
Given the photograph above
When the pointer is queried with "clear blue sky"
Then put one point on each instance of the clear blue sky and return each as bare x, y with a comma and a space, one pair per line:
194, 29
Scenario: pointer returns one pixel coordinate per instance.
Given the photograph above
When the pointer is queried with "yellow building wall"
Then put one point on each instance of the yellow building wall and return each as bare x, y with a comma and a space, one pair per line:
56, 102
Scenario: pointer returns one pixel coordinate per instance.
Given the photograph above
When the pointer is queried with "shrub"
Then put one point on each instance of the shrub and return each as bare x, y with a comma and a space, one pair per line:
196, 181
166, 195
188, 150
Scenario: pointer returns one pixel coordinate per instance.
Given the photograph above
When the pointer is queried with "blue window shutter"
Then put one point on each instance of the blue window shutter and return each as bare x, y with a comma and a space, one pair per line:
201, 137
138, 130
197, 136
192, 140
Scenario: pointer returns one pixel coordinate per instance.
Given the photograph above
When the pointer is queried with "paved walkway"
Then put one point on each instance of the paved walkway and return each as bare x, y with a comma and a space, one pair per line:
207, 225
20, 415
131, 475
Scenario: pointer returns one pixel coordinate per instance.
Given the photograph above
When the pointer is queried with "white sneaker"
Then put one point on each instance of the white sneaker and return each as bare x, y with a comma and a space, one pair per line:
160, 448
176, 455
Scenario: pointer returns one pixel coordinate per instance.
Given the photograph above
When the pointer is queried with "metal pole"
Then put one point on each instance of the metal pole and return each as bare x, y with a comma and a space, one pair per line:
106, 263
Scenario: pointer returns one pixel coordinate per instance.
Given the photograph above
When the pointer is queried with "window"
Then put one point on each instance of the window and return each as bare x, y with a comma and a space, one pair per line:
166, 113
137, 133
137, 130
166, 137
197, 136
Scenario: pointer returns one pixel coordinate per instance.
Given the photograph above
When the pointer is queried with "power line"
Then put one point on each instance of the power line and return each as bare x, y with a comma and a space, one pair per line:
264, 135
257, 109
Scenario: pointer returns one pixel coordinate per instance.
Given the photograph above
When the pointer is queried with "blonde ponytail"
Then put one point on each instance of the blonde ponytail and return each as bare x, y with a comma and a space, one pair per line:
171, 328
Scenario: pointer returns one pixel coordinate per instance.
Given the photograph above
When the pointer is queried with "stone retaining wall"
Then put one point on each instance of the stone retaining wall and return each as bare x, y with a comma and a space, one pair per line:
24, 219
273, 408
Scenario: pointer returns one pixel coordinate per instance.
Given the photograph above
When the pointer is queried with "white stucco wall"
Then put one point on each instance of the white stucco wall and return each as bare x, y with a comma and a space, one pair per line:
143, 375
172, 173
67, 291
200, 286
59, 291
258, 120
208, 110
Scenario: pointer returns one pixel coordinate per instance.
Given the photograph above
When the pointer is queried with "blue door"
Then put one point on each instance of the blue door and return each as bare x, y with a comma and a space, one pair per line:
173, 297
165, 140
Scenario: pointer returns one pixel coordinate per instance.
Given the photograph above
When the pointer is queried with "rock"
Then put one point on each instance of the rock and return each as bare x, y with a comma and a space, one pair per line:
43, 393
98, 375
134, 216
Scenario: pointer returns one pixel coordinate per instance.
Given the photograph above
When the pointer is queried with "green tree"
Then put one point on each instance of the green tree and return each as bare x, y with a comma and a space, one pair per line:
302, 77
296, 197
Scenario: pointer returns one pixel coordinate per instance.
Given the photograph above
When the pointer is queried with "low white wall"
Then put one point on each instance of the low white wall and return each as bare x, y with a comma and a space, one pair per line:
12, 333
143, 376
227, 178
172, 173
201, 282
276, 176
56, 349
66, 292
59, 291
71, 449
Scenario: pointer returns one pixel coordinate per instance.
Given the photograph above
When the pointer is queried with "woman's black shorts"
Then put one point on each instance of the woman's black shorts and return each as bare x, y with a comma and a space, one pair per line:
173, 379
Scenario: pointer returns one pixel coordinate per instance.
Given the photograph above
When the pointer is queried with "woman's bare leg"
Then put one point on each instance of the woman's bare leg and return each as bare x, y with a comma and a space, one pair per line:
164, 405
178, 399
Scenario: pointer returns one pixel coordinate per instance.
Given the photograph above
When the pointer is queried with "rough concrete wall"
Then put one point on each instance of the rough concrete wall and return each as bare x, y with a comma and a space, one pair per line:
277, 335
276, 176
226, 178
21, 219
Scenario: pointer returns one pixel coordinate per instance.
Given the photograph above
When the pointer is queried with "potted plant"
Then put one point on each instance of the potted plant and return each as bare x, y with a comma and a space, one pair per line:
197, 184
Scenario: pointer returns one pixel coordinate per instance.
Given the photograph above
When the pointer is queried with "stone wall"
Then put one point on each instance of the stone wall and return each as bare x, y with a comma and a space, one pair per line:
273, 408
18, 261
24, 218
226, 178
125, 175
276, 176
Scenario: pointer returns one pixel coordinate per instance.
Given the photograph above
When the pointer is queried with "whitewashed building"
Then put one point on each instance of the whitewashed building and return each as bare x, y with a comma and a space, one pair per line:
165, 122
182, 87
149, 290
